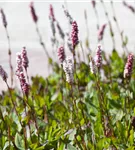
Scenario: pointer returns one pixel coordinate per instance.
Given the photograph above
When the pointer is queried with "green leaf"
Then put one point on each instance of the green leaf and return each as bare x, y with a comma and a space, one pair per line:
70, 147
61, 147
125, 41
34, 146
130, 148
131, 137
6, 145
40, 148
72, 134
19, 142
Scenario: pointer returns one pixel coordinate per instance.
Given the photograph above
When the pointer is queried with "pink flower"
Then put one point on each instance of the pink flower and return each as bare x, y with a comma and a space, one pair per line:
19, 67
129, 66
74, 34
25, 61
22, 79
61, 54
3, 74
98, 58
3, 18
101, 32
33, 13
22, 62
26, 88
24, 85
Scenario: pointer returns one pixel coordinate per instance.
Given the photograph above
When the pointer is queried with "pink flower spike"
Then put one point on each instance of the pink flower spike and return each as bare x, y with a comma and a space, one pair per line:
24, 85
98, 58
3, 18
33, 13
129, 66
26, 88
74, 34
25, 61
19, 67
61, 54
22, 61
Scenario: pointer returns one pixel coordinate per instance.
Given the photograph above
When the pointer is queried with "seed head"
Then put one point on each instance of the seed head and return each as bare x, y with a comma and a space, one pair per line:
70, 19
52, 27
3, 18
101, 32
33, 13
69, 42
3, 74
51, 15
52, 21
61, 33
93, 3
129, 6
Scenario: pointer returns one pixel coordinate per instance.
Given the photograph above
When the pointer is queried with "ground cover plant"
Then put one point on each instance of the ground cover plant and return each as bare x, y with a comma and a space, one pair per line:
81, 105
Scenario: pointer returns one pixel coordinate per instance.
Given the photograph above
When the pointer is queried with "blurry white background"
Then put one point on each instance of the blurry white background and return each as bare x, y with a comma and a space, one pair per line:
22, 29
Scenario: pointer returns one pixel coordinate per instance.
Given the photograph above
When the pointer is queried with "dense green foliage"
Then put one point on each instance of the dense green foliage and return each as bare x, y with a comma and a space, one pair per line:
94, 113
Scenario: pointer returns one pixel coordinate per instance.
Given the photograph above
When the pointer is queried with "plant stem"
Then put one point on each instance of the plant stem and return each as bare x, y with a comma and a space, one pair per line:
34, 116
41, 41
10, 57
14, 105
109, 22
118, 27
25, 138
9, 136
76, 112
82, 51
27, 76
62, 85
24, 130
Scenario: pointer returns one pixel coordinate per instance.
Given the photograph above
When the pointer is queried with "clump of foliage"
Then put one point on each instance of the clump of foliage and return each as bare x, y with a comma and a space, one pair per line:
94, 113
80, 106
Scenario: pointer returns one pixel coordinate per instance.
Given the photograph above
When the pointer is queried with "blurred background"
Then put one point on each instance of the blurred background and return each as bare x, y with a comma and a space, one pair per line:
22, 29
